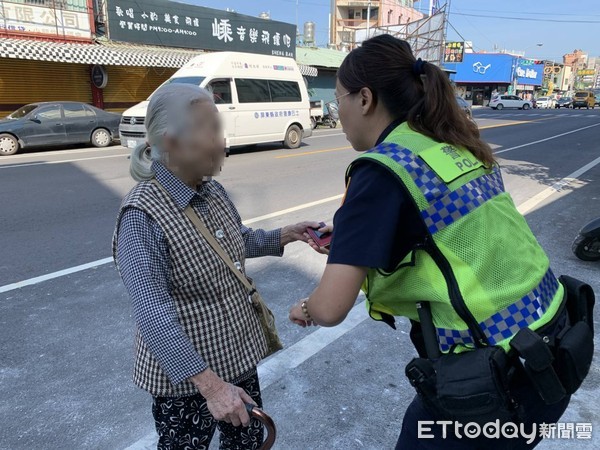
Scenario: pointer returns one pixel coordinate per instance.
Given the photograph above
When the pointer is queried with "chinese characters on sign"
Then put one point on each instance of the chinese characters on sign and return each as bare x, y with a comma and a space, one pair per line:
271, 114
18, 17
454, 51
157, 22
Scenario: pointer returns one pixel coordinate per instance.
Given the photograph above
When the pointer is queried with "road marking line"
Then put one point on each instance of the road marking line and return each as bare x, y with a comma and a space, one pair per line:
50, 153
530, 204
103, 261
509, 124
50, 276
12, 166
293, 209
546, 139
276, 367
337, 149
325, 135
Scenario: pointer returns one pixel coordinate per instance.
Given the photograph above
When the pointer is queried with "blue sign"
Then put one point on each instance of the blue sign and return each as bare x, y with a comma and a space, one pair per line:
484, 68
529, 73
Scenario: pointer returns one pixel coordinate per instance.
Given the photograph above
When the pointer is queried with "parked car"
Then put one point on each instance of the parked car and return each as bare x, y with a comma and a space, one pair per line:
546, 102
584, 99
564, 102
509, 101
465, 106
57, 123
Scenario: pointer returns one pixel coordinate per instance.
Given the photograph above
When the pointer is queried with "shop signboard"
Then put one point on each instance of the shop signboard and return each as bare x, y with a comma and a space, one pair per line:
173, 24
586, 72
484, 68
17, 18
454, 52
529, 73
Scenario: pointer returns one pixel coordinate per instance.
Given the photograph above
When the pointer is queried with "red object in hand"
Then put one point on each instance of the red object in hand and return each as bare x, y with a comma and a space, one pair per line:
321, 239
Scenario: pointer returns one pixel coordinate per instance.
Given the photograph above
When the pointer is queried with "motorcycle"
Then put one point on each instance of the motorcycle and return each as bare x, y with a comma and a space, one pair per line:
587, 244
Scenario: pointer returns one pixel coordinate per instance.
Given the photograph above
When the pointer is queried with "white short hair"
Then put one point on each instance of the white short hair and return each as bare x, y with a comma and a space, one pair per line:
166, 115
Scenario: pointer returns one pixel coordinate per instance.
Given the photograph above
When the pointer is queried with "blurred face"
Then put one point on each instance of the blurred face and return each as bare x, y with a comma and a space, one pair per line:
352, 116
198, 150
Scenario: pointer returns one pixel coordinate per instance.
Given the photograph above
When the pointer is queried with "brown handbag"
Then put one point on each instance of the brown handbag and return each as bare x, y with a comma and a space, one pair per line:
265, 315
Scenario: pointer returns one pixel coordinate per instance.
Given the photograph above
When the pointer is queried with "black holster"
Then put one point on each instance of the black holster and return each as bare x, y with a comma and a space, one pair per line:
557, 364
467, 387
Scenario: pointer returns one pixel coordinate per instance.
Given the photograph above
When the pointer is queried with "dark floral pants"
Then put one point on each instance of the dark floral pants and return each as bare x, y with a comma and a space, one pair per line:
185, 423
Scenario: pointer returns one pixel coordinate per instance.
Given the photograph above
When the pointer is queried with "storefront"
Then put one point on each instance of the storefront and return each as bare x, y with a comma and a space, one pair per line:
149, 42
37, 71
481, 75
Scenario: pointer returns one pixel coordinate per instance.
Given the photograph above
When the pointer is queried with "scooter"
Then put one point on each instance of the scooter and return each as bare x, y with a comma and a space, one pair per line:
587, 244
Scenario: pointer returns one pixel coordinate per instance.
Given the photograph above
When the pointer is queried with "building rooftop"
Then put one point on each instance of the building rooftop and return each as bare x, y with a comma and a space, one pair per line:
320, 57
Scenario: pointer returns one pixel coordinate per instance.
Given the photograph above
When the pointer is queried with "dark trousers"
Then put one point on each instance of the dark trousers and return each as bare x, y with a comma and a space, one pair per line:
535, 412
185, 423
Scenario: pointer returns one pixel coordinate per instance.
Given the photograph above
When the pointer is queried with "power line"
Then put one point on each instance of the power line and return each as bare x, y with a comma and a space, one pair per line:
531, 13
460, 35
527, 19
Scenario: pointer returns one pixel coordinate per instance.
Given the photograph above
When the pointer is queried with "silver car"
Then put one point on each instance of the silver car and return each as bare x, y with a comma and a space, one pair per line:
509, 101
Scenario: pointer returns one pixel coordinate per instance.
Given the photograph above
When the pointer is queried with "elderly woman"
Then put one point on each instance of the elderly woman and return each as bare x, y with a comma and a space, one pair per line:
198, 338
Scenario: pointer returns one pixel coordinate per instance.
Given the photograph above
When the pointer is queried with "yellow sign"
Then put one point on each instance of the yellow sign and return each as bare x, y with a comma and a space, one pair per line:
585, 72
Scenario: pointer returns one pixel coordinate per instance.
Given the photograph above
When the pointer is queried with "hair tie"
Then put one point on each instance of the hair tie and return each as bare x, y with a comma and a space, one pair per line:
419, 67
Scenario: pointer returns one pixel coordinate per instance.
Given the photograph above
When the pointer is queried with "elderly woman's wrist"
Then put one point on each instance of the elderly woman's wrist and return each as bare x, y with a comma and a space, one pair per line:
286, 236
207, 382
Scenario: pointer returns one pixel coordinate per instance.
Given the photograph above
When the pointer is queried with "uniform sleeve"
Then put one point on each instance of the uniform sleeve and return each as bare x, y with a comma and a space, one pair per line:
367, 226
143, 261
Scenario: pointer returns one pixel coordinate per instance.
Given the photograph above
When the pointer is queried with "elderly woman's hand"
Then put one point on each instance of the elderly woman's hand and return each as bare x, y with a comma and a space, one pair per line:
226, 402
314, 245
297, 232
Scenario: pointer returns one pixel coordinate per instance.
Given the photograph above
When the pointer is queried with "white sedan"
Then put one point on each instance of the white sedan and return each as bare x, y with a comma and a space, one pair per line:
509, 101
545, 102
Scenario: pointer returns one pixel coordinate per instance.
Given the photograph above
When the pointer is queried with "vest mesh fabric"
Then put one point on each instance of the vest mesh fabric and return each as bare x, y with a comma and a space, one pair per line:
492, 252
212, 305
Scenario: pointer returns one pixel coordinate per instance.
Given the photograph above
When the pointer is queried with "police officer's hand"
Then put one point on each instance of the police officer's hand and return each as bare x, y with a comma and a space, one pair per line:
314, 245
297, 316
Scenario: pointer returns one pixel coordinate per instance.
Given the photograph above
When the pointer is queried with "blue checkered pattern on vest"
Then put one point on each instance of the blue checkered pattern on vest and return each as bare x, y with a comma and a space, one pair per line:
445, 206
462, 201
426, 179
506, 323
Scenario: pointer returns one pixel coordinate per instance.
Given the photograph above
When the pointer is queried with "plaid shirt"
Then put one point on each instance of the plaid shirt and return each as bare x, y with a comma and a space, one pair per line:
143, 252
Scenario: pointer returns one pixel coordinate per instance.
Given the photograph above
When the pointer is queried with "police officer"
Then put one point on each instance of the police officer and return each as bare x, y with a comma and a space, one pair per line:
426, 217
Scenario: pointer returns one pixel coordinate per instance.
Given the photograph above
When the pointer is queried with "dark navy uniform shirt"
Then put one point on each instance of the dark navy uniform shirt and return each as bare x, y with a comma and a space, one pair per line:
378, 223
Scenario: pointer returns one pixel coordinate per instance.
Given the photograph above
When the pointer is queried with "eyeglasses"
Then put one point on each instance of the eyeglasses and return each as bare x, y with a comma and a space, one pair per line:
337, 99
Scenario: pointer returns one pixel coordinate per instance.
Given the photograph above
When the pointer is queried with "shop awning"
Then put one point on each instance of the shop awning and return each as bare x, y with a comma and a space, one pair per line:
104, 53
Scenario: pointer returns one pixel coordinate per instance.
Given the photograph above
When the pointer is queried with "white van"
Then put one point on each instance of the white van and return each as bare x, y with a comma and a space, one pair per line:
261, 99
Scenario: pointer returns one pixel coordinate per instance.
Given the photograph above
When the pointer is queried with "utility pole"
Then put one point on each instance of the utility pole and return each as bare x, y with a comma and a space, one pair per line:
369, 19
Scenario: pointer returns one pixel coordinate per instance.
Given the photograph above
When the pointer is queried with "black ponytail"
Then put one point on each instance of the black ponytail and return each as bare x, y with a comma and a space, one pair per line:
413, 91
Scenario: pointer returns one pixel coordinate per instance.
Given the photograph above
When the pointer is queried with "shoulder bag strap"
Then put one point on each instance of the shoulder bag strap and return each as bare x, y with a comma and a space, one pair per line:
191, 214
